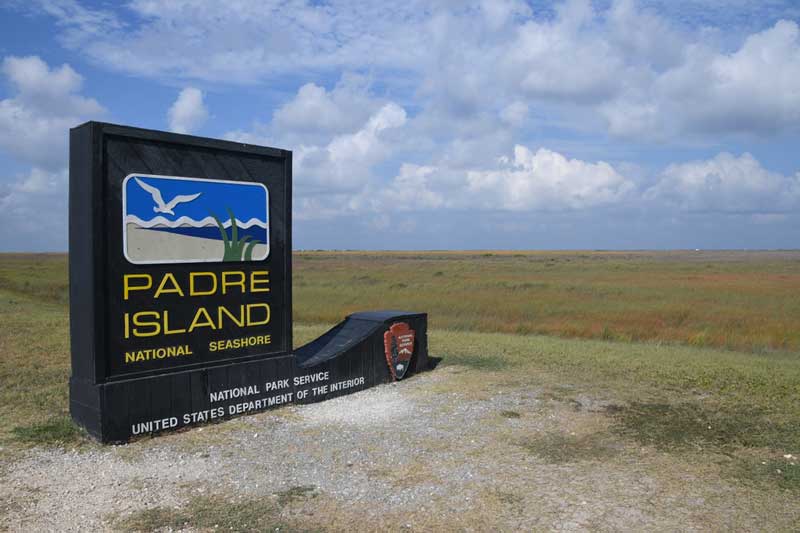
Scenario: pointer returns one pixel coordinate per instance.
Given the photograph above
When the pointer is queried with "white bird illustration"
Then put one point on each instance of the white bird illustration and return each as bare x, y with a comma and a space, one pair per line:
168, 207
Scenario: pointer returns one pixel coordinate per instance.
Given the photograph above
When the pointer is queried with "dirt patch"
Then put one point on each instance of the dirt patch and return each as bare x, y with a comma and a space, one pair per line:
419, 455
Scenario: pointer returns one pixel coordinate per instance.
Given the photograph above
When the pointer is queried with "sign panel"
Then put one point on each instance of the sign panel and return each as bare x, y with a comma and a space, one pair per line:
169, 219
190, 262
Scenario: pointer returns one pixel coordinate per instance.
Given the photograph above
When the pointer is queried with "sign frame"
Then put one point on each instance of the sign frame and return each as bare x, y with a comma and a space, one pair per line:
92, 244
115, 403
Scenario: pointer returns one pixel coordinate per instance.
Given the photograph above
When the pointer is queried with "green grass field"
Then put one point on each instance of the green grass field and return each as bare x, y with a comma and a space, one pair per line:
696, 350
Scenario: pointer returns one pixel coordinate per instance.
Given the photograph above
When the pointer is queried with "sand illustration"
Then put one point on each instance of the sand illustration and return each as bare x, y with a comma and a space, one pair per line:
152, 246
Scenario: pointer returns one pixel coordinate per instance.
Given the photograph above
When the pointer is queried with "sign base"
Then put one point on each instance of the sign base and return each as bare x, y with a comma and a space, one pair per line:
348, 358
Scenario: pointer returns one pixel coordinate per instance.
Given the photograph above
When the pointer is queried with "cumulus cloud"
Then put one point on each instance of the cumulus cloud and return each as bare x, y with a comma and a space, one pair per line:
346, 161
546, 180
188, 112
726, 183
315, 110
411, 190
594, 70
314, 115
35, 121
541, 180
754, 90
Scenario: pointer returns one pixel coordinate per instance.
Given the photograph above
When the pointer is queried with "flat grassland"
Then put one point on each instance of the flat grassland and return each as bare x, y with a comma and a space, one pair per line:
738, 300
687, 362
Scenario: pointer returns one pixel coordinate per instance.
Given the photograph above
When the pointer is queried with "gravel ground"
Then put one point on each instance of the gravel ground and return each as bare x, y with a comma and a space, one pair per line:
418, 455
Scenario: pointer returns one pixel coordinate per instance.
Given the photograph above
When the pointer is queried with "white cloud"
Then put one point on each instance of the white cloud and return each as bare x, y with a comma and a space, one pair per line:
546, 180
23, 202
530, 181
188, 112
247, 41
334, 164
726, 183
35, 121
410, 190
566, 59
346, 161
316, 111
314, 115
754, 90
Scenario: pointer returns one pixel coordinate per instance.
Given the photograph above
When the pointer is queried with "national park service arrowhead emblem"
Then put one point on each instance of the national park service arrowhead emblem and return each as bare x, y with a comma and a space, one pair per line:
398, 343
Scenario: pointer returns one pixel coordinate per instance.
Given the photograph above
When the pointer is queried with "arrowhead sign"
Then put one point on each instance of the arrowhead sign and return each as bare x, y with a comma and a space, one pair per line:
398, 343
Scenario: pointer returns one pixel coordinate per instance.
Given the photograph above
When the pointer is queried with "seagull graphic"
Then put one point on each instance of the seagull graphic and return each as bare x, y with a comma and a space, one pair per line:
162, 207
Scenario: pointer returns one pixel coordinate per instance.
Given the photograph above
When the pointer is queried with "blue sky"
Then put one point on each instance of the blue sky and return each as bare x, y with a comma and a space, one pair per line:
440, 124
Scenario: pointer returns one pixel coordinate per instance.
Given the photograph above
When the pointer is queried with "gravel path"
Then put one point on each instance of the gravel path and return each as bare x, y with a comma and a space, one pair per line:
418, 455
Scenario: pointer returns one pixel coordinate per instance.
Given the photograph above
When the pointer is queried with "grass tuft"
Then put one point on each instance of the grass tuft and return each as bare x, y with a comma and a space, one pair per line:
54, 432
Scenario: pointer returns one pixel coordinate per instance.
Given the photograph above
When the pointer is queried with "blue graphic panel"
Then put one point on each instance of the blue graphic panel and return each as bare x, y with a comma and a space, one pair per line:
170, 219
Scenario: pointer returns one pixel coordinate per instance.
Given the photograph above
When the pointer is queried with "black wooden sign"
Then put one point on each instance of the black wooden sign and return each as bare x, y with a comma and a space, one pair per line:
180, 288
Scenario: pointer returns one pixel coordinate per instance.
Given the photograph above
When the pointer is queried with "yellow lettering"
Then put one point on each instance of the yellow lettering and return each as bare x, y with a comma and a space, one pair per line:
194, 291
250, 321
259, 277
168, 331
137, 321
127, 287
239, 321
161, 287
226, 283
201, 312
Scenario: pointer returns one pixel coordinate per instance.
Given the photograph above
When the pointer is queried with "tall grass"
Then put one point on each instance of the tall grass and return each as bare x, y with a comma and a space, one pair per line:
734, 300
235, 249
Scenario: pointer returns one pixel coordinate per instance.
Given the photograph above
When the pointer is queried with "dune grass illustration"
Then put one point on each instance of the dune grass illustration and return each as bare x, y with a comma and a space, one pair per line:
235, 249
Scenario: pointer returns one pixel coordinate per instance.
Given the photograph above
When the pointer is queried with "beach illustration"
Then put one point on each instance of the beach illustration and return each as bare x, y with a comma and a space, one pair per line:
169, 219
